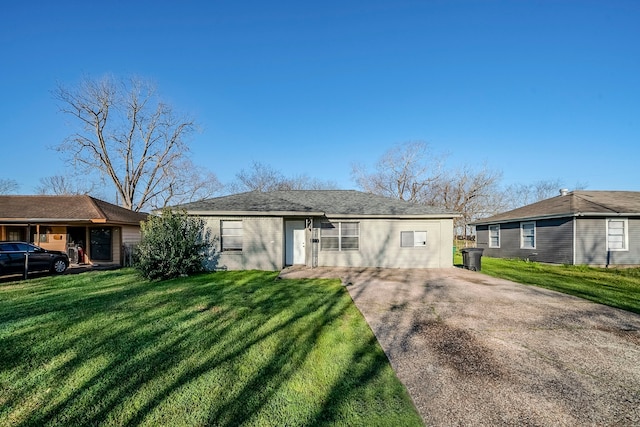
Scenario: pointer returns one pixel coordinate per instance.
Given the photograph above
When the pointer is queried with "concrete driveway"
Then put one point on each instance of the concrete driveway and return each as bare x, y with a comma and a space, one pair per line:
474, 350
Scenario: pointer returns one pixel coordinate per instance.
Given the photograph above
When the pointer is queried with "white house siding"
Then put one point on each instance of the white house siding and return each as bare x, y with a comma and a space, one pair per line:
380, 245
130, 235
262, 244
116, 244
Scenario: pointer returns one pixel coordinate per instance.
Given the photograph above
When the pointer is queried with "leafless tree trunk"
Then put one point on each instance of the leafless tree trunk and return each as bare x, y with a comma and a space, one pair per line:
133, 139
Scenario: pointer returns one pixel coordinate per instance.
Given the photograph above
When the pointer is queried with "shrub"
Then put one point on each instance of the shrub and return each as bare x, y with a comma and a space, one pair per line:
173, 244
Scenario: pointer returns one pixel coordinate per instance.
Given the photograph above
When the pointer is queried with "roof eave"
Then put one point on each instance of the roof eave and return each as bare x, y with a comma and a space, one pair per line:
5, 220
318, 213
555, 216
395, 216
65, 221
252, 213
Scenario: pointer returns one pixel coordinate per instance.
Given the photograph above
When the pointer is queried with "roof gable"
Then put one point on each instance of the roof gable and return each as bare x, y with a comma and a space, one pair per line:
65, 208
312, 202
575, 203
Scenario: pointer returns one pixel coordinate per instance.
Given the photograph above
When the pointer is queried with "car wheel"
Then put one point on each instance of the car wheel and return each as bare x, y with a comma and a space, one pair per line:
59, 266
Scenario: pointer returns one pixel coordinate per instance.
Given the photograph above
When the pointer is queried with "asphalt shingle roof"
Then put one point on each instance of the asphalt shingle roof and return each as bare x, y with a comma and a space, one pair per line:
56, 208
327, 202
574, 203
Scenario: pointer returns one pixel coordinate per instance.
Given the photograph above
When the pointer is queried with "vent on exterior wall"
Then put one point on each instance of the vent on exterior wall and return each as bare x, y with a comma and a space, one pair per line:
564, 191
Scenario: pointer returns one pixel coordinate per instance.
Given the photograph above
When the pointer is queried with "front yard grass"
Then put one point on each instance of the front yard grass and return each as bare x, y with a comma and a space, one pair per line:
226, 348
618, 288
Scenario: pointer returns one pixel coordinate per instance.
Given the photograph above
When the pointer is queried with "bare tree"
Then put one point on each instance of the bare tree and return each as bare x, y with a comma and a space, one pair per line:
8, 186
405, 172
411, 172
259, 177
189, 183
132, 139
472, 193
305, 182
517, 195
65, 185
262, 177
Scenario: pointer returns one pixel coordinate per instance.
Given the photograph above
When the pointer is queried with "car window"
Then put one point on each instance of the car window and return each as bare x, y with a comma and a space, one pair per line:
6, 247
23, 247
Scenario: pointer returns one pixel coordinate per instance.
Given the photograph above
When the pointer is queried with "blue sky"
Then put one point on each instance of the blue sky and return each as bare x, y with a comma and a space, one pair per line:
541, 90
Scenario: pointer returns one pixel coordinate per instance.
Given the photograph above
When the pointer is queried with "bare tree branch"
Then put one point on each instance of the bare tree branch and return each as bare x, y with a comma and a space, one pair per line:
517, 195
127, 135
404, 172
472, 193
8, 186
65, 185
262, 177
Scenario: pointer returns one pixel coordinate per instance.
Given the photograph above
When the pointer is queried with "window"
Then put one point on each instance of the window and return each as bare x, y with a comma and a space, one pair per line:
410, 239
494, 236
231, 233
100, 244
527, 235
339, 236
617, 234
16, 233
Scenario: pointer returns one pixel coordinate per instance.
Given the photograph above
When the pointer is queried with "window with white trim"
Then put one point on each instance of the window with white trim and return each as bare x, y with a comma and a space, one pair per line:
339, 236
410, 239
617, 234
494, 236
231, 233
528, 235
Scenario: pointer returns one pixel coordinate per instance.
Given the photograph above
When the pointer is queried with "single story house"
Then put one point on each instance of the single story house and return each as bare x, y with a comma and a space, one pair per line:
599, 228
343, 228
90, 230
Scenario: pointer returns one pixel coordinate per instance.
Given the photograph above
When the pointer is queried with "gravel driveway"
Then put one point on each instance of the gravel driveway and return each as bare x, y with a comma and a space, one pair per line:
475, 350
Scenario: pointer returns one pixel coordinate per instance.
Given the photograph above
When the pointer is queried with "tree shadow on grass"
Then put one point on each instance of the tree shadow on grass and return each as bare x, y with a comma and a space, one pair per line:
113, 349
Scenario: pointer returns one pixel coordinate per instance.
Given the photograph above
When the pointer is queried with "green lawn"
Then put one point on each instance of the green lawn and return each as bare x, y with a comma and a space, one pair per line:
615, 287
226, 348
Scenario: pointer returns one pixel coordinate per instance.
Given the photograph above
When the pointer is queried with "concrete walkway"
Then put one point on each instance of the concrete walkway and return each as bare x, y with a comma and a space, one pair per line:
474, 350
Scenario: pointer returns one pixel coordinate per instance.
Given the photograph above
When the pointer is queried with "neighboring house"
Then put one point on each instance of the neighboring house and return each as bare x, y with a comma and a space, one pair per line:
346, 228
599, 228
88, 229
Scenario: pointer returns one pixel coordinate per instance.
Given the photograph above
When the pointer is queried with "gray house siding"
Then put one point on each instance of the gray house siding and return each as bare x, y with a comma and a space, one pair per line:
554, 241
591, 243
280, 228
589, 222
380, 246
262, 246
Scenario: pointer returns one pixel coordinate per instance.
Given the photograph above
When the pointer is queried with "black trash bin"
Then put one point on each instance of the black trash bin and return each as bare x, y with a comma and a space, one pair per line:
472, 258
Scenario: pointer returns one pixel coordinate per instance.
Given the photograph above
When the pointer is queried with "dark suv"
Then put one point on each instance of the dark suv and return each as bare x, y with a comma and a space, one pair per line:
12, 255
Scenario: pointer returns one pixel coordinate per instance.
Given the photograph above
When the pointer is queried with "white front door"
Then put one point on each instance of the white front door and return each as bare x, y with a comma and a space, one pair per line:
298, 246
294, 242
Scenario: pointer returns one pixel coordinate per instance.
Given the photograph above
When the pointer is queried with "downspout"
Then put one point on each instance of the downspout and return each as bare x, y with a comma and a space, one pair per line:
575, 220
